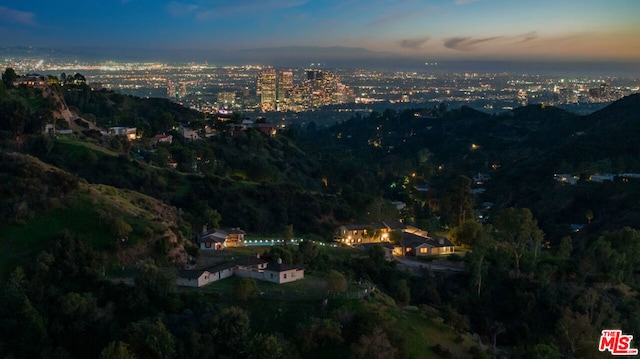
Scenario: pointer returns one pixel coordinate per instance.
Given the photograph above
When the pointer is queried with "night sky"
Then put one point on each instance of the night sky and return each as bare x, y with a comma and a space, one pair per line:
433, 30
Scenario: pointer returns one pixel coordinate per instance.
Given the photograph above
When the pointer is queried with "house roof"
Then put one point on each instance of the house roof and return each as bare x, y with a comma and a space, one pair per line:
249, 261
415, 240
367, 246
283, 267
236, 231
393, 225
190, 273
216, 235
221, 267
359, 227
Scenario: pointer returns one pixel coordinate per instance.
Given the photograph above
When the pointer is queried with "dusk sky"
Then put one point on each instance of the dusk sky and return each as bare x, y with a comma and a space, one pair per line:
429, 29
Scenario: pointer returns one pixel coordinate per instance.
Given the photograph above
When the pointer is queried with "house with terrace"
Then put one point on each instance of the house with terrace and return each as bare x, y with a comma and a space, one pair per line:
368, 233
418, 244
405, 240
218, 239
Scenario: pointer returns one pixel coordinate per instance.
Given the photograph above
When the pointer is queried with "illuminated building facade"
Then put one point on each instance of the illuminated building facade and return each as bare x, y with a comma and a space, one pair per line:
267, 89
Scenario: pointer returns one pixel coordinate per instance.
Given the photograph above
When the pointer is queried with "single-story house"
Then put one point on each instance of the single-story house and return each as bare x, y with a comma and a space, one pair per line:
214, 240
218, 239
221, 271
129, 132
193, 278
162, 138
249, 267
416, 244
283, 273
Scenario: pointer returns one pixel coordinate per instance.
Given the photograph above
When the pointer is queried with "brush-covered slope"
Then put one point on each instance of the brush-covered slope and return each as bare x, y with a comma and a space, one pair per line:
40, 202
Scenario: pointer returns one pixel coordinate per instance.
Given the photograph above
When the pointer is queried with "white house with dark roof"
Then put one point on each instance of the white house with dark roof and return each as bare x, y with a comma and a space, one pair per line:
218, 239
214, 240
248, 267
193, 278
283, 273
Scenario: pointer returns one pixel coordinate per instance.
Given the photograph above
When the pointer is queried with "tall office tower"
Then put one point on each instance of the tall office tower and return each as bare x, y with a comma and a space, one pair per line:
285, 84
267, 89
315, 75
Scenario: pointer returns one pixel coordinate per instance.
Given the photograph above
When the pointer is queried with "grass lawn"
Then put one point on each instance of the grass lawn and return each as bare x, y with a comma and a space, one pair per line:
73, 145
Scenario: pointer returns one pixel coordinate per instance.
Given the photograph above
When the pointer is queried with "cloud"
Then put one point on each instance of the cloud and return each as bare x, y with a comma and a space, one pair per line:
529, 36
413, 44
399, 17
13, 16
205, 9
467, 43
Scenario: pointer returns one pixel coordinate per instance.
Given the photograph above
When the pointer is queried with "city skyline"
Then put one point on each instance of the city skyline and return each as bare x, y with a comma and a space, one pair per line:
428, 31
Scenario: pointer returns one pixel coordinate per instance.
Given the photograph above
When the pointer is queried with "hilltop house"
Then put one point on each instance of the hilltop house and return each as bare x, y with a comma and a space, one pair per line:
413, 241
283, 273
218, 239
33, 80
162, 138
129, 132
193, 278
249, 267
371, 233
418, 244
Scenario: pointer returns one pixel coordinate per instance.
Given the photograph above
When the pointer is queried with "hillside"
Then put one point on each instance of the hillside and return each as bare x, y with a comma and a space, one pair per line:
546, 268
41, 202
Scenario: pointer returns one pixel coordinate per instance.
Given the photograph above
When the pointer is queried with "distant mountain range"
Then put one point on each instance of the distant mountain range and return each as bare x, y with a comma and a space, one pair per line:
332, 57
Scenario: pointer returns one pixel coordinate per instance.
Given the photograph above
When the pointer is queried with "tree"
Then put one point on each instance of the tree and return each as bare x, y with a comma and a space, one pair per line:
374, 346
565, 247
319, 333
403, 292
287, 233
151, 339
21, 325
395, 236
336, 282
266, 346
116, 350
14, 112
377, 256
232, 330
120, 228
9, 76
309, 251
467, 233
157, 283
518, 231
477, 263
244, 289
458, 201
